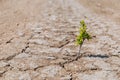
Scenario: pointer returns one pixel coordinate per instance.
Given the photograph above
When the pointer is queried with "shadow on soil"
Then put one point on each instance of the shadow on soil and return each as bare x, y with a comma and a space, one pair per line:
97, 56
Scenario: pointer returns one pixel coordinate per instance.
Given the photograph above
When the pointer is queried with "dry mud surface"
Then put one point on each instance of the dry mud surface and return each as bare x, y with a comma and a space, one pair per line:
37, 41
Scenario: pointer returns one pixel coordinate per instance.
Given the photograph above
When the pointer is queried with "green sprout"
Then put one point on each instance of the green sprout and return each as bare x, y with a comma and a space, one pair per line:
83, 35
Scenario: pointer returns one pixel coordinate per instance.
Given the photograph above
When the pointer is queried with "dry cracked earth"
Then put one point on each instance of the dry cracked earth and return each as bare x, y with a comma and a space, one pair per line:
37, 41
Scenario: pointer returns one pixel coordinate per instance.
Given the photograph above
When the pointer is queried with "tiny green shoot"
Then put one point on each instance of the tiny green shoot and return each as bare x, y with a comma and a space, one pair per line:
82, 36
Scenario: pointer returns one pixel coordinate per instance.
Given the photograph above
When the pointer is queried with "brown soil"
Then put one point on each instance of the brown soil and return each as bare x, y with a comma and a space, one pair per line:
109, 9
37, 40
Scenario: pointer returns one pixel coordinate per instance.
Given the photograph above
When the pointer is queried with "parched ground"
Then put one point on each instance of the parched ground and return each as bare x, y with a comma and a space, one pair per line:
37, 40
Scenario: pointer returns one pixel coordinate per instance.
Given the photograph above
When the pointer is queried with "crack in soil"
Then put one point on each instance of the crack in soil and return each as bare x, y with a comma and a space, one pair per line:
22, 51
9, 41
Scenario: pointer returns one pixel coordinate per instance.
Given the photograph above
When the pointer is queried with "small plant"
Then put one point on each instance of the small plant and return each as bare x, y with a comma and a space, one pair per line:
83, 35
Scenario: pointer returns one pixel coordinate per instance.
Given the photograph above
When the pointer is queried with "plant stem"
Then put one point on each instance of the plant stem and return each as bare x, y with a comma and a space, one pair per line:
79, 51
78, 55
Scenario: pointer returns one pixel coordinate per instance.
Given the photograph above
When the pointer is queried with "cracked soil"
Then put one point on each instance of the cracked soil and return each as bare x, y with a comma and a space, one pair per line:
37, 40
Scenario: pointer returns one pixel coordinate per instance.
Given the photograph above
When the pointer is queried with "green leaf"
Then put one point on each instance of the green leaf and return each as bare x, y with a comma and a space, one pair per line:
83, 34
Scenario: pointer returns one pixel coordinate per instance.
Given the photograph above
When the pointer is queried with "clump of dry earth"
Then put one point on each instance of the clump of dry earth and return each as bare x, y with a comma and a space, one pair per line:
37, 42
